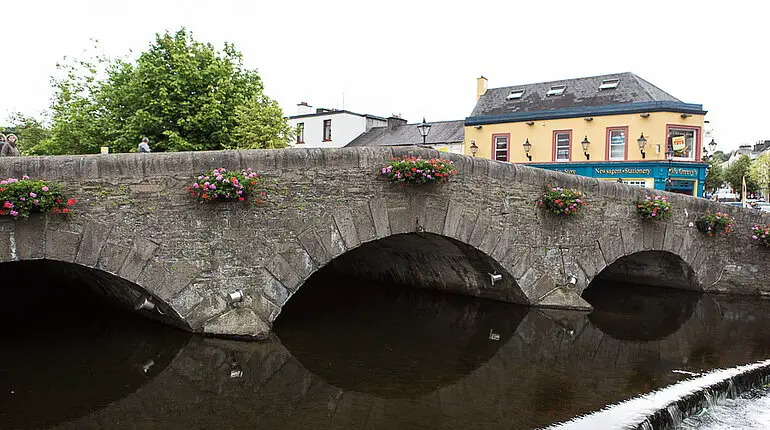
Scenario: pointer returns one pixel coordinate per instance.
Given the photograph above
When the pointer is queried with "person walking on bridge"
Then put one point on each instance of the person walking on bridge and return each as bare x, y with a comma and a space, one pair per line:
144, 145
9, 147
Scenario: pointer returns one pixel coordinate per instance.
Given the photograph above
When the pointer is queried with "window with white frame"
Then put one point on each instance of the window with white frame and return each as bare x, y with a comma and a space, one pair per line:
563, 141
515, 95
556, 90
682, 142
609, 84
327, 136
617, 144
640, 184
501, 148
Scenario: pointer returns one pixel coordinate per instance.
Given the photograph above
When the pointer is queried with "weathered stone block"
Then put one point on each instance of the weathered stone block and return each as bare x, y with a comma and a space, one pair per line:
271, 287
94, 237
177, 277
284, 272
343, 220
380, 217
239, 322
137, 258
314, 247
7, 239
453, 218
564, 298
112, 258
30, 237
61, 245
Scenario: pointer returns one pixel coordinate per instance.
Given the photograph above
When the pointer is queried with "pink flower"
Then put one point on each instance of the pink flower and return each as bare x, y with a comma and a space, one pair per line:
45, 188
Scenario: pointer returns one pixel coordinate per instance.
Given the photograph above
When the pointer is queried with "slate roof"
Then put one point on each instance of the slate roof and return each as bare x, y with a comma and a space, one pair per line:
441, 132
580, 92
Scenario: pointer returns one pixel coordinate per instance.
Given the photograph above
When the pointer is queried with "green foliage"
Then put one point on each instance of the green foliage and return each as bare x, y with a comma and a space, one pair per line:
735, 173
655, 208
183, 95
31, 132
761, 234
220, 184
563, 201
416, 170
714, 223
759, 172
20, 197
261, 125
720, 157
715, 176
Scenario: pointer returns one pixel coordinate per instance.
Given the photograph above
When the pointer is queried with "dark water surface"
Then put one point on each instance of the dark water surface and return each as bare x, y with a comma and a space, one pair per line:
363, 356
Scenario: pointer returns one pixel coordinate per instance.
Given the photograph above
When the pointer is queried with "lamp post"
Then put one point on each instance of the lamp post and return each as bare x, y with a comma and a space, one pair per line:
585, 144
642, 143
474, 148
527, 148
669, 157
424, 129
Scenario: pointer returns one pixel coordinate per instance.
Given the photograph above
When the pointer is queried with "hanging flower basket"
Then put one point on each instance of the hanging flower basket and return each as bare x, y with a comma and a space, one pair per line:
715, 223
20, 197
761, 234
416, 170
223, 185
654, 208
563, 201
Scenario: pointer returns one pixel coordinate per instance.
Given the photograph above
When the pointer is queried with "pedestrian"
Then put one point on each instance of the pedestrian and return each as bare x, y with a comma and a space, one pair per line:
9, 147
144, 145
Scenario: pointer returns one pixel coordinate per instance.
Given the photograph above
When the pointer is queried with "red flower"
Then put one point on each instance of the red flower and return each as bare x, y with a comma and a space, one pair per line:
71, 202
65, 210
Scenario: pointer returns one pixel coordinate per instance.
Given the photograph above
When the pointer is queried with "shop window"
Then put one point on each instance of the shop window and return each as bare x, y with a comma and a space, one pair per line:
617, 143
682, 142
501, 148
327, 130
562, 140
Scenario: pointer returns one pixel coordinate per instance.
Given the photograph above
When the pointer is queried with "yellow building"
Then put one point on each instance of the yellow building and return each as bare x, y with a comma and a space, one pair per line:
612, 127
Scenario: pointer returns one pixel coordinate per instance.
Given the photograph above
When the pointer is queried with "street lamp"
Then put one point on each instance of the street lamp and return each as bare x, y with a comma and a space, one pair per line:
585, 144
642, 143
424, 129
527, 148
712, 146
669, 157
474, 148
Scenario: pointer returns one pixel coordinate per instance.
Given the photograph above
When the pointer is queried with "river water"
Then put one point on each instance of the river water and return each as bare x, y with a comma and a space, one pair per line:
355, 355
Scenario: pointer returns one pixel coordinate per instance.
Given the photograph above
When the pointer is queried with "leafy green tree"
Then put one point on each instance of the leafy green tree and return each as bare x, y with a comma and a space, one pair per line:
735, 173
181, 94
261, 125
759, 172
720, 157
31, 132
714, 177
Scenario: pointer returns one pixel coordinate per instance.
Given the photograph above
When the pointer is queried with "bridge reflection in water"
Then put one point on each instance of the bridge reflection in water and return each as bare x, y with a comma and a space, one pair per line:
355, 355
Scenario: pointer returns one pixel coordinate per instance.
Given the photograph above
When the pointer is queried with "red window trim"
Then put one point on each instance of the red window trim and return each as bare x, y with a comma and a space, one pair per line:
553, 157
607, 143
324, 139
494, 146
697, 138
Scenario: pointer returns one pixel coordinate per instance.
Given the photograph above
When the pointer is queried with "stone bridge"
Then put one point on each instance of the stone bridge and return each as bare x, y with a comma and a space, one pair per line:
134, 233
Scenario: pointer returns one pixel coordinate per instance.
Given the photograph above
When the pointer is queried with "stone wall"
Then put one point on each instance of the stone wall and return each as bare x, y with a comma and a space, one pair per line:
133, 219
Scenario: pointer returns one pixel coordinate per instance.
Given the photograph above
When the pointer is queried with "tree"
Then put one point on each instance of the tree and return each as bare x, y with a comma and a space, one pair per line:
714, 177
720, 157
735, 173
261, 125
181, 94
760, 172
31, 132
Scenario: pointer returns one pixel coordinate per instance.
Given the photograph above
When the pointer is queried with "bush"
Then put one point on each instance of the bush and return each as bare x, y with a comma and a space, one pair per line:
711, 224
761, 234
219, 184
563, 201
654, 207
415, 170
20, 197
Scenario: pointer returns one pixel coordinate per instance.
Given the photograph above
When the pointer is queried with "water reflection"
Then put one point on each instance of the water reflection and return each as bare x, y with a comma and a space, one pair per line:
356, 356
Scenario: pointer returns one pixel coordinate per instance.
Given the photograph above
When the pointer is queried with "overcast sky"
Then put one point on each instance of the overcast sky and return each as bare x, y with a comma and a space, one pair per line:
422, 58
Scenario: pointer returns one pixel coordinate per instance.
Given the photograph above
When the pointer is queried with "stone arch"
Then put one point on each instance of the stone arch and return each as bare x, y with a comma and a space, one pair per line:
123, 271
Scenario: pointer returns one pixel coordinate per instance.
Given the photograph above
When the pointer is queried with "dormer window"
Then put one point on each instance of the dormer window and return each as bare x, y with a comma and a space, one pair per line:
556, 90
515, 95
609, 84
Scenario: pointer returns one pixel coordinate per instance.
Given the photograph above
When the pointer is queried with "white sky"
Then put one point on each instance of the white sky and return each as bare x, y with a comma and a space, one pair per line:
422, 58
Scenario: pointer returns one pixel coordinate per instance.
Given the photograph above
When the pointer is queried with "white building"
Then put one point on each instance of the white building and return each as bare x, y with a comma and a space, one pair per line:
329, 128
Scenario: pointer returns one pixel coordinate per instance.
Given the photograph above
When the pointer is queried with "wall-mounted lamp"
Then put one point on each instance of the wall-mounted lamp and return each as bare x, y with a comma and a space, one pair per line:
644, 115
588, 118
493, 335
585, 144
474, 148
527, 148
235, 297
530, 122
642, 143
145, 304
685, 115
712, 146
572, 280
495, 277
477, 127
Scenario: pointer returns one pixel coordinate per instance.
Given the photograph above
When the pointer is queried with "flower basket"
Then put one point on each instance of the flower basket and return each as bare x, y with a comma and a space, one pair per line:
715, 223
20, 197
416, 170
223, 185
654, 208
761, 234
563, 201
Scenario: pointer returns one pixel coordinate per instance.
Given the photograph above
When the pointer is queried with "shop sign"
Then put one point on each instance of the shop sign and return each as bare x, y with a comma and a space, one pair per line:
678, 143
622, 171
682, 172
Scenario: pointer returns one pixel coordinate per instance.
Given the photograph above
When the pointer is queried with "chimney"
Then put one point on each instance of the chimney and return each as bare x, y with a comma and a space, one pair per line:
481, 87
395, 121
303, 108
